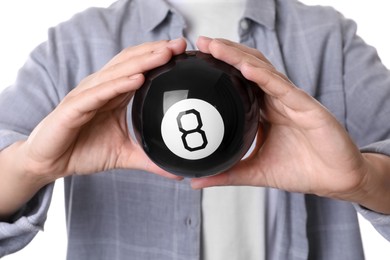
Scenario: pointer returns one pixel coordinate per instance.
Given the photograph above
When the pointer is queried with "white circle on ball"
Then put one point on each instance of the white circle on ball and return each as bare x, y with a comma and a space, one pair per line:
192, 129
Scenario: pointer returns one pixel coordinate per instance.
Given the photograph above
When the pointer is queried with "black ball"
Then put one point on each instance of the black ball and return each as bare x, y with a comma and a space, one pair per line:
195, 116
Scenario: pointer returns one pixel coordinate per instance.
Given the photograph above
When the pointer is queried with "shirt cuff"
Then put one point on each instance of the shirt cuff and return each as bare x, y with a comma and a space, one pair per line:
381, 222
17, 233
8, 137
382, 147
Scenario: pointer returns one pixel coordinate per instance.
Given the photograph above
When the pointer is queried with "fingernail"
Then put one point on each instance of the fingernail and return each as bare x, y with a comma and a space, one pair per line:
161, 50
175, 42
219, 41
204, 37
135, 77
195, 184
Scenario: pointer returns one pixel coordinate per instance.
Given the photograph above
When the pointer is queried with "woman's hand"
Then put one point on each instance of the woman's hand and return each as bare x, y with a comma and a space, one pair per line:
304, 149
88, 131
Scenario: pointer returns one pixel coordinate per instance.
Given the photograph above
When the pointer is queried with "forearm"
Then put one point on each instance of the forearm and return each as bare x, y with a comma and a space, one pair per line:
17, 183
375, 189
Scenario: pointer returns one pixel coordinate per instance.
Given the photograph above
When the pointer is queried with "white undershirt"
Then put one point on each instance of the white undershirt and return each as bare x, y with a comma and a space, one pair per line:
233, 218
212, 18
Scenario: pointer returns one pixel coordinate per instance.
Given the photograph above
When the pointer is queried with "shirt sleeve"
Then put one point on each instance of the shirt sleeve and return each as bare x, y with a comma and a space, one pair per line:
367, 92
23, 105
367, 83
381, 222
17, 233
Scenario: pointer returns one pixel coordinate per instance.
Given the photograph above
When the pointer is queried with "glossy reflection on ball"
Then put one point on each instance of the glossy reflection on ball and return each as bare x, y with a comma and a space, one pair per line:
195, 116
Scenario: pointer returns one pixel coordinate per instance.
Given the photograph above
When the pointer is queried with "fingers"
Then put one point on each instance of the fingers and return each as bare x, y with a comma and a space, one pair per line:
205, 45
87, 132
243, 173
246, 59
135, 60
285, 98
79, 108
176, 46
137, 159
122, 75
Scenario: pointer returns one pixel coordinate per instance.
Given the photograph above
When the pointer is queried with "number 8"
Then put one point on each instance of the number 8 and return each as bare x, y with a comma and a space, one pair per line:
187, 132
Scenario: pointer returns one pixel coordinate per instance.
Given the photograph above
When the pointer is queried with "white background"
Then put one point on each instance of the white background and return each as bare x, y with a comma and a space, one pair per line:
23, 25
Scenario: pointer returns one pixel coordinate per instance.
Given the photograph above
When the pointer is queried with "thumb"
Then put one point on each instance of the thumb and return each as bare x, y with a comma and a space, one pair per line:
140, 161
243, 173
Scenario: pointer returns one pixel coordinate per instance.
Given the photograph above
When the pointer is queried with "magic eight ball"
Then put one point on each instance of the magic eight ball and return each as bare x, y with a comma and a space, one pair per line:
195, 116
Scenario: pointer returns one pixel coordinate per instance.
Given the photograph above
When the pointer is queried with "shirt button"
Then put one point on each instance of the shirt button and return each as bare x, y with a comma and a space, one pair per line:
244, 24
191, 222
188, 221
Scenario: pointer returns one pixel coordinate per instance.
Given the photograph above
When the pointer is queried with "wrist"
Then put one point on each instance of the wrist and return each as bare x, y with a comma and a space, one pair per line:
374, 191
35, 173
18, 181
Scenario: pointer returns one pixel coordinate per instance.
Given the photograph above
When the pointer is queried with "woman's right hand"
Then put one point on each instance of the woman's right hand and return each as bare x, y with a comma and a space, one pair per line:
87, 132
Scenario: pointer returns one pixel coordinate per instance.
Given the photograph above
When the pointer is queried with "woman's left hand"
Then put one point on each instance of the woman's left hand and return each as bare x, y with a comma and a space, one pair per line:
305, 149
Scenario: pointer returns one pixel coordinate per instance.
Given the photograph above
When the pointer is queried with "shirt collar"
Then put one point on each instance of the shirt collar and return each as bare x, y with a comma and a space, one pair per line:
262, 12
153, 12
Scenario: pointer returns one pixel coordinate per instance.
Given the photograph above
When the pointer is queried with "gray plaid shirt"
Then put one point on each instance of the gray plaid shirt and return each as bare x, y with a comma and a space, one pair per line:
135, 215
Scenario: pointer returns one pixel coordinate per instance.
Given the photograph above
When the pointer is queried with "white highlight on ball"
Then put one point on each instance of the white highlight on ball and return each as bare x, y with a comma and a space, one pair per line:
192, 129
